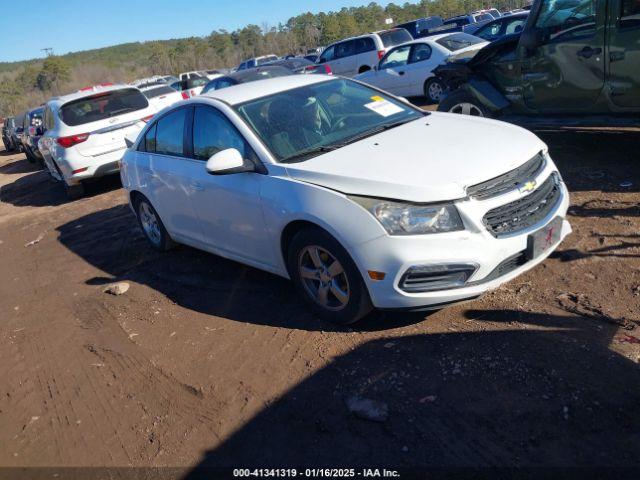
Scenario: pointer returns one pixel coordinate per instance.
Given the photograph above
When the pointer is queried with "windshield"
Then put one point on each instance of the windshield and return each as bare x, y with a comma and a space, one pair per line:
395, 37
303, 122
458, 41
103, 105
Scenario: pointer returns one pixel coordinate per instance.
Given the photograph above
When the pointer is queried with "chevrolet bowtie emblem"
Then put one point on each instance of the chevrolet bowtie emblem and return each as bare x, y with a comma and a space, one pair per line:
527, 187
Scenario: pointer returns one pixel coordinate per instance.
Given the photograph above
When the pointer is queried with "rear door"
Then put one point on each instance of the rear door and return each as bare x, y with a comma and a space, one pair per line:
566, 73
169, 172
624, 52
366, 54
346, 64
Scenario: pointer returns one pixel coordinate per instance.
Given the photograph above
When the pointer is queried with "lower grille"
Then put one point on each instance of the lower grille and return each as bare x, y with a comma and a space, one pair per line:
525, 212
506, 266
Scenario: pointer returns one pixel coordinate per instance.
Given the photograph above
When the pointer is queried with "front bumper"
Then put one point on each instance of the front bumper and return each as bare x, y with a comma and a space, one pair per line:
395, 255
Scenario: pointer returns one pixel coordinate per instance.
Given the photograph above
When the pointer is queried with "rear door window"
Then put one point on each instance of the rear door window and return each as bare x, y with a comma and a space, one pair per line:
395, 37
419, 53
102, 106
170, 133
328, 54
365, 44
346, 49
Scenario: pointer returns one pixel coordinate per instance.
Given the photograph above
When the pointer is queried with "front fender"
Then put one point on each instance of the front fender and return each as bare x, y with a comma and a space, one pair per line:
487, 94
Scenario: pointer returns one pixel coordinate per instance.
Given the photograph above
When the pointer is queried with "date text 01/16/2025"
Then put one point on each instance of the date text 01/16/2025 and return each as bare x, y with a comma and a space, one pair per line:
316, 473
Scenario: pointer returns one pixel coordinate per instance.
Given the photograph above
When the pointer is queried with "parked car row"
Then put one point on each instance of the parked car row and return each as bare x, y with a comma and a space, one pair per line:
358, 197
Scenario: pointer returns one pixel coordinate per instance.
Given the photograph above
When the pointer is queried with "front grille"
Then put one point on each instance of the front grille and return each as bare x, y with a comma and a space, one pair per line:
509, 181
525, 212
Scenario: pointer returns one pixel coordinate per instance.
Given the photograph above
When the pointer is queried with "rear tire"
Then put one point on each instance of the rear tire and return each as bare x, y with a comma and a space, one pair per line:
74, 192
151, 225
434, 89
464, 103
327, 278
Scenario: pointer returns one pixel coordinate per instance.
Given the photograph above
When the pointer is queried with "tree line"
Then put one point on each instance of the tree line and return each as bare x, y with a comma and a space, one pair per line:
27, 84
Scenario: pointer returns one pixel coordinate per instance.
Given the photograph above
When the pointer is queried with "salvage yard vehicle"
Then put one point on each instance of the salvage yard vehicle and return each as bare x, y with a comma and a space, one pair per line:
7, 127
160, 95
407, 70
33, 130
360, 198
247, 76
257, 61
86, 130
355, 55
575, 63
502, 26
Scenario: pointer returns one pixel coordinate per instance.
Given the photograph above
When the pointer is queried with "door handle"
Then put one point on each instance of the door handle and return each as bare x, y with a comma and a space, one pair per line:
588, 52
197, 186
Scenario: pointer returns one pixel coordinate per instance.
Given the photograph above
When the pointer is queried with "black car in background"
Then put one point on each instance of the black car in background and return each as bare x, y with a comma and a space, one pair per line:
502, 26
15, 132
246, 76
301, 65
420, 27
33, 130
8, 125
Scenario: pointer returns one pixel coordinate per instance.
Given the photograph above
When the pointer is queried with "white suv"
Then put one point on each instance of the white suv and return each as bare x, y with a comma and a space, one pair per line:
355, 55
358, 197
85, 132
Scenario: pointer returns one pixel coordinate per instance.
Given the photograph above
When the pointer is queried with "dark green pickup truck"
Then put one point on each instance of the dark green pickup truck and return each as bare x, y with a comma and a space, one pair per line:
576, 62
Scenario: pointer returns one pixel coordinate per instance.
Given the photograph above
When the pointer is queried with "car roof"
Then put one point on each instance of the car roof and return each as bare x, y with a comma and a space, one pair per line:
89, 91
241, 75
262, 88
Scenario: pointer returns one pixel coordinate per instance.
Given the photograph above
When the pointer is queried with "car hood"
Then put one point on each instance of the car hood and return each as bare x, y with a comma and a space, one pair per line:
428, 160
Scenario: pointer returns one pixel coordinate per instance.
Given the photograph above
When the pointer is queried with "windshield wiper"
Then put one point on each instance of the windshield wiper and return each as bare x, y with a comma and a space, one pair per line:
308, 153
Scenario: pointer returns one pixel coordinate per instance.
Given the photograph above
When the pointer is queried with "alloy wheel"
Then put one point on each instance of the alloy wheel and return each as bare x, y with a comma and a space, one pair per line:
324, 278
467, 109
150, 224
435, 91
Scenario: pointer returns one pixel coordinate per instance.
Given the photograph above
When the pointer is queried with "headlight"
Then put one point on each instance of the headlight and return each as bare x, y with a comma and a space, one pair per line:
408, 219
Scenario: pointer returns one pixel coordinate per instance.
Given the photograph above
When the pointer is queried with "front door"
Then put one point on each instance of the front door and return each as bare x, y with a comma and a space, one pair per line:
392, 71
624, 52
566, 73
229, 207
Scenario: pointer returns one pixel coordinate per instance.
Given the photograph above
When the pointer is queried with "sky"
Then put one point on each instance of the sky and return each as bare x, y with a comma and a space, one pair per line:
74, 25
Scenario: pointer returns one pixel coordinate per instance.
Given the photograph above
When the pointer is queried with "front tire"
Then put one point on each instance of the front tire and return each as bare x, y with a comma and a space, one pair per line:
327, 278
151, 225
462, 102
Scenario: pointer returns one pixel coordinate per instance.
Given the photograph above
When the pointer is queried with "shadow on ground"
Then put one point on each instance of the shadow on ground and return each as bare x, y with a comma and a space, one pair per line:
553, 395
39, 189
112, 241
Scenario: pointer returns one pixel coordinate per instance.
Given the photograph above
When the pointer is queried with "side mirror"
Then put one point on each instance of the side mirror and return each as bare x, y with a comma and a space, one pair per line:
226, 162
531, 38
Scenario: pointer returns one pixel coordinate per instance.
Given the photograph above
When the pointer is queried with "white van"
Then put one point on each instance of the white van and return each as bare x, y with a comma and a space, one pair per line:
355, 55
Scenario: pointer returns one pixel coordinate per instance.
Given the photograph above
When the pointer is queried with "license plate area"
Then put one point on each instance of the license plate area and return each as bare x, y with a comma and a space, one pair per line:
545, 238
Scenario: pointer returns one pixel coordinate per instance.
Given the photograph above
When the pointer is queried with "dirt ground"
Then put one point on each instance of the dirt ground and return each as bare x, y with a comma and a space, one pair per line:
205, 362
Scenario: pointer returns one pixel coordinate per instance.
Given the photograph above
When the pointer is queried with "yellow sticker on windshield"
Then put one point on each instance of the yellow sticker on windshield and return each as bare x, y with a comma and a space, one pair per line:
376, 98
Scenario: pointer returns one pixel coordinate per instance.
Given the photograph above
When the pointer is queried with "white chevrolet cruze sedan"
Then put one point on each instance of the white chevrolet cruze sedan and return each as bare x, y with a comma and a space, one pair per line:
361, 199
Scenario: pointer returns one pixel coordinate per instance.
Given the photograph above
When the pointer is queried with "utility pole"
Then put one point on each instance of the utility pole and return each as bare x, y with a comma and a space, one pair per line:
47, 51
